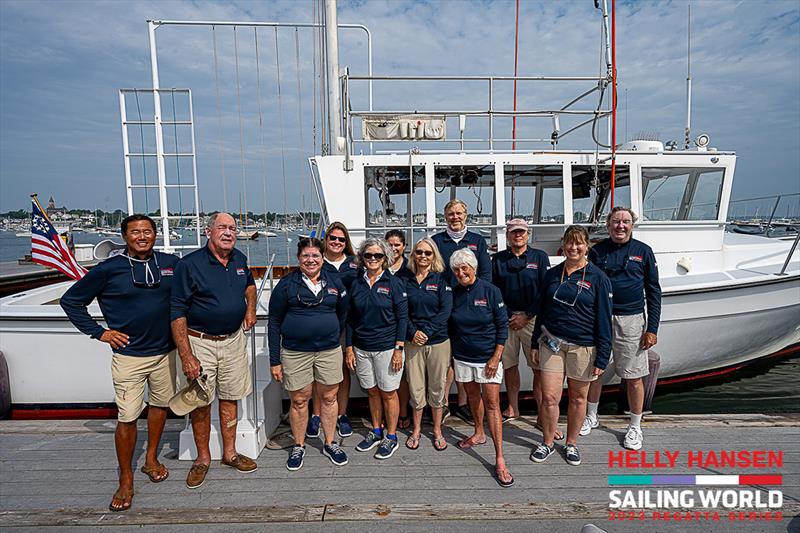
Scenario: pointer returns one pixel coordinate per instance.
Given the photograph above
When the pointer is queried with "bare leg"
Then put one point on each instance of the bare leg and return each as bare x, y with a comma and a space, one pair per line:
343, 394
201, 429
125, 442
418, 422
491, 401
391, 408
448, 384
330, 409
576, 412
512, 390
156, 418
635, 394
316, 401
473, 391
436, 414
375, 407
596, 389
403, 395
298, 413
551, 385
227, 422
462, 394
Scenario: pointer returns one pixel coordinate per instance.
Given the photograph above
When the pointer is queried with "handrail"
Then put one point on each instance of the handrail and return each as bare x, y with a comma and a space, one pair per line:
789, 256
252, 332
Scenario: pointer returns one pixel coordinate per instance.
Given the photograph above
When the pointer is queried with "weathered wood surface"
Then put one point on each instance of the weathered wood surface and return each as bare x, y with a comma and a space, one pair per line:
62, 473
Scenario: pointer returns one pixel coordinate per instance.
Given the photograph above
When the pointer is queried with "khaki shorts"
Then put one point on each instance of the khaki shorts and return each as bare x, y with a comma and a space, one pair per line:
300, 369
466, 373
518, 340
374, 369
628, 361
226, 365
577, 362
131, 372
426, 373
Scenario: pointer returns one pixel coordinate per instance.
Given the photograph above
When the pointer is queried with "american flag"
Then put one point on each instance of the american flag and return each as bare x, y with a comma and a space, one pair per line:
47, 248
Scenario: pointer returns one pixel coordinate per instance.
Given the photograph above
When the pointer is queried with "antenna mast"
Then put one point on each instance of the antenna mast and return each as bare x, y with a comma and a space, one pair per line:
688, 130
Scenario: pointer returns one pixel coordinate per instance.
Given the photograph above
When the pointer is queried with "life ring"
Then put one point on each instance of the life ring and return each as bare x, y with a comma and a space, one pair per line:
5, 388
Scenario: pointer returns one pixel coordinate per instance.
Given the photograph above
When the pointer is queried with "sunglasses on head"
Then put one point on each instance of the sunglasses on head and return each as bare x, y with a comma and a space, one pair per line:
335, 238
426, 253
373, 256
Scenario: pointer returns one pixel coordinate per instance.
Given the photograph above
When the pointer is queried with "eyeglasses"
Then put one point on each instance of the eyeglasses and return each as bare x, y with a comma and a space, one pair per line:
305, 257
615, 268
311, 303
577, 293
426, 253
151, 279
368, 256
334, 238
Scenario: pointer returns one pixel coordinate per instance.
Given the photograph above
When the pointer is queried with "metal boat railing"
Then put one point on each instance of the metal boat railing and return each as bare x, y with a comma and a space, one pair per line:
268, 276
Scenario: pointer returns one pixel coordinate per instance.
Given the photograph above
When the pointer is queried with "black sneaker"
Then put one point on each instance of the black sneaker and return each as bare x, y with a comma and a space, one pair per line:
542, 452
572, 455
335, 453
463, 412
312, 429
370, 441
295, 461
386, 449
343, 426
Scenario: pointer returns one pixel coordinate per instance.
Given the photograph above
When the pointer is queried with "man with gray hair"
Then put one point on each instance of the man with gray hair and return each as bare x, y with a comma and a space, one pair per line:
213, 303
631, 267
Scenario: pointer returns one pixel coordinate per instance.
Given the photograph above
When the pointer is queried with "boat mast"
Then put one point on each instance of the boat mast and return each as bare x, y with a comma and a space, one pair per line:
687, 131
332, 56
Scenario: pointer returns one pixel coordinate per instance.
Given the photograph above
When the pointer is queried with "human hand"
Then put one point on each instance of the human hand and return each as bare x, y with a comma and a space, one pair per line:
491, 367
648, 340
116, 339
249, 320
191, 366
535, 356
420, 338
277, 372
350, 358
598, 371
397, 360
518, 321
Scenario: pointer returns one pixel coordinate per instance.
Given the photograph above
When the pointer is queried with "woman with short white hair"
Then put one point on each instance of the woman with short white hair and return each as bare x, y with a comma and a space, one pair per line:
376, 332
478, 330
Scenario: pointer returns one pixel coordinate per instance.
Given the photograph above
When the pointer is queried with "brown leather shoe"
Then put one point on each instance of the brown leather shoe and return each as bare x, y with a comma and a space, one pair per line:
240, 463
197, 476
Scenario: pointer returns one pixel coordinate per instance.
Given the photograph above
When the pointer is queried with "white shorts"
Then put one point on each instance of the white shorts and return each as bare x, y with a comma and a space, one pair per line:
466, 373
374, 369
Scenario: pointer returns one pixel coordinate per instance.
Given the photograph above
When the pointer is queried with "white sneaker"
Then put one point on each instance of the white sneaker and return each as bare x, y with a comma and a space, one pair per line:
588, 425
633, 438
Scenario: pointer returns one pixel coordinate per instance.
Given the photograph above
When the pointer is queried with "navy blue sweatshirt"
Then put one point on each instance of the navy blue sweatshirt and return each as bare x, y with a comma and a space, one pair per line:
633, 272
209, 295
519, 279
140, 312
429, 307
478, 322
301, 321
347, 271
588, 322
471, 240
404, 273
377, 317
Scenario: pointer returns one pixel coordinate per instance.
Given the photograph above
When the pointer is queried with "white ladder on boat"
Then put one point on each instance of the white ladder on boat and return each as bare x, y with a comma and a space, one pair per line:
151, 153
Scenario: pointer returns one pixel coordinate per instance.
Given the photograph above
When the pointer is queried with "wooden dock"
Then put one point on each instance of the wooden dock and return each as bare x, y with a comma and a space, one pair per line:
57, 474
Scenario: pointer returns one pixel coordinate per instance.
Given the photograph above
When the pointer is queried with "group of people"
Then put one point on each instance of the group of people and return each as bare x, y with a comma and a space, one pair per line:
408, 327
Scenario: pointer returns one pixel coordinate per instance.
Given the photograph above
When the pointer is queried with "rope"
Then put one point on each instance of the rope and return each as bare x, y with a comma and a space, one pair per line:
261, 132
300, 116
314, 81
177, 159
219, 120
243, 193
141, 136
283, 148
613, 98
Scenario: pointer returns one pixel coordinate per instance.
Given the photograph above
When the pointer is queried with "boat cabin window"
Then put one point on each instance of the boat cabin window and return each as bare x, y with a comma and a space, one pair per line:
395, 198
681, 193
535, 193
473, 185
591, 191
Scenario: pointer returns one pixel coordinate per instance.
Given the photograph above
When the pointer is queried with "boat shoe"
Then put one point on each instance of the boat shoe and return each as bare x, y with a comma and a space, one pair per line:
197, 476
241, 463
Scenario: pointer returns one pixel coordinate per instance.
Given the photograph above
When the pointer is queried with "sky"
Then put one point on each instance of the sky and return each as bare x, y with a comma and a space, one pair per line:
63, 62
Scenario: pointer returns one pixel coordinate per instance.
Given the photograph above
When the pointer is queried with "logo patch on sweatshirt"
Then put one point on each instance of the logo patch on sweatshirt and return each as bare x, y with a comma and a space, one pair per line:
240, 272
333, 290
473, 247
166, 271
534, 266
637, 258
584, 284
431, 287
481, 302
353, 265
384, 290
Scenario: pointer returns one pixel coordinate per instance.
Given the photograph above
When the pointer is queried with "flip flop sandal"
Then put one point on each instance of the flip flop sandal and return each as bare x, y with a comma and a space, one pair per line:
558, 435
505, 484
439, 444
507, 418
154, 471
466, 444
126, 503
412, 442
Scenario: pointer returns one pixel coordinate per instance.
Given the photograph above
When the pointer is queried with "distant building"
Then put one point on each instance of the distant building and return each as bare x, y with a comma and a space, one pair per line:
52, 210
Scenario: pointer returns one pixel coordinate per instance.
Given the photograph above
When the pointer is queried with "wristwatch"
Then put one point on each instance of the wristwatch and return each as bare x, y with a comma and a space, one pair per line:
398, 347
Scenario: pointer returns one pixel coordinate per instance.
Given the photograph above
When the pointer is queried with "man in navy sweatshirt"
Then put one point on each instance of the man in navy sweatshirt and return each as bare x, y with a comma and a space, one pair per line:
631, 267
133, 290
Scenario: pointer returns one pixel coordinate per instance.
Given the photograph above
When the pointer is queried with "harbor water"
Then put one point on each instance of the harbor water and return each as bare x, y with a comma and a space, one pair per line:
764, 387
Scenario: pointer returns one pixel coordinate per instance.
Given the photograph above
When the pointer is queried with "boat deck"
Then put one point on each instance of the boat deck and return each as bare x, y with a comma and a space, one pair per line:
55, 474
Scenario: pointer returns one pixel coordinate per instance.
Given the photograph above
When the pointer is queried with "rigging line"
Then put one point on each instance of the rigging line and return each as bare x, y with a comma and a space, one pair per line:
514, 119
177, 159
326, 130
613, 98
283, 148
141, 136
243, 193
219, 121
261, 132
300, 115
314, 80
